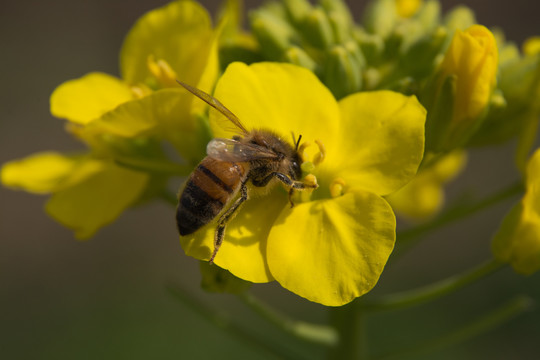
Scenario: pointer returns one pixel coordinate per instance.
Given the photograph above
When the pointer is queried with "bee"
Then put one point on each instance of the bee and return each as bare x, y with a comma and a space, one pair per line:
256, 158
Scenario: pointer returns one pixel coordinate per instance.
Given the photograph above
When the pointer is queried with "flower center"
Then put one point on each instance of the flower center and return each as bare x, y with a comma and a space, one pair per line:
309, 166
336, 187
162, 71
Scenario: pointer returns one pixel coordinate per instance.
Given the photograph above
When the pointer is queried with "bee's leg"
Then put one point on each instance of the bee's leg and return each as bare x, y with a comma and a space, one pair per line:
225, 218
292, 184
291, 192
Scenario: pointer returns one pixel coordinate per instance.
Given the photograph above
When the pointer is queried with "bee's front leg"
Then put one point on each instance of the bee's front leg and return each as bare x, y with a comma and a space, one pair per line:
292, 184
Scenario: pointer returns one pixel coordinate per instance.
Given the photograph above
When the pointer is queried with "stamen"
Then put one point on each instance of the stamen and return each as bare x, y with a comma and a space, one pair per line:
337, 187
302, 148
140, 91
162, 71
319, 157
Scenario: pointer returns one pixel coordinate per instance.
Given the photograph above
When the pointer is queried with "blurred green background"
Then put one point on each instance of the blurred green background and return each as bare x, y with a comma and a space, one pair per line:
107, 299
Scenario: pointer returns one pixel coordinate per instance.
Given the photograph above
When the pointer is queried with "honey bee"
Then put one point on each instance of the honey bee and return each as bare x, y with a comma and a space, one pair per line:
255, 158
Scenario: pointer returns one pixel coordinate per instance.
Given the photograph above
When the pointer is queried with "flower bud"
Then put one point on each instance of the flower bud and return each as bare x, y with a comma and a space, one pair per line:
381, 17
298, 56
317, 30
342, 72
273, 33
407, 8
340, 19
469, 67
297, 9
519, 82
459, 18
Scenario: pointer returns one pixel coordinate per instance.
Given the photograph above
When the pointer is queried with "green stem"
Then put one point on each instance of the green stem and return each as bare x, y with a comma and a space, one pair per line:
433, 291
223, 321
320, 334
349, 321
409, 236
477, 327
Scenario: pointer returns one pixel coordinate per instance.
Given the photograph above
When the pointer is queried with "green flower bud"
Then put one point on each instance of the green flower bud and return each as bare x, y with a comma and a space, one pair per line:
381, 17
273, 33
459, 18
317, 30
298, 56
297, 10
429, 15
340, 18
420, 60
519, 82
342, 72
371, 45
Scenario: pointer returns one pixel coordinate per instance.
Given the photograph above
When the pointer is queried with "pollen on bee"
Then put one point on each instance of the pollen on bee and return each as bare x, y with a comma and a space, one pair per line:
337, 187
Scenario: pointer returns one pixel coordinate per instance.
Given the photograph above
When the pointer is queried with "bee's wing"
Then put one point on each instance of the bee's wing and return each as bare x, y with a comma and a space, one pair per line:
235, 151
213, 102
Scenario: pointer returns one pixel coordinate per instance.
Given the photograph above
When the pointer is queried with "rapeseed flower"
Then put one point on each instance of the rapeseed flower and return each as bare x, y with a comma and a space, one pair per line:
332, 246
124, 122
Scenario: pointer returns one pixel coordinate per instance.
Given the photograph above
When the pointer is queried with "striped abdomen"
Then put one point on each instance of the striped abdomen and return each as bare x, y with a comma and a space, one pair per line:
211, 185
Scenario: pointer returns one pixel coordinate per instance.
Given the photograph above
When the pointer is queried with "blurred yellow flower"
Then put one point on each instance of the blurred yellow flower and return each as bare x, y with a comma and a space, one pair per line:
424, 196
518, 240
331, 247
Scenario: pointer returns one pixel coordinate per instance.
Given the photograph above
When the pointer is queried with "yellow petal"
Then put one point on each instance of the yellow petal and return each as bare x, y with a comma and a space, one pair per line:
518, 241
96, 199
243, 251
282, 97
165, 113
87, 98
332, 251
179, 33
382, 140
167, 108
38, 173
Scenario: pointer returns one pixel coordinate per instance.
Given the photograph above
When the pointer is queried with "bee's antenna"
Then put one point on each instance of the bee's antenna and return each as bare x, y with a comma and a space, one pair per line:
298, 142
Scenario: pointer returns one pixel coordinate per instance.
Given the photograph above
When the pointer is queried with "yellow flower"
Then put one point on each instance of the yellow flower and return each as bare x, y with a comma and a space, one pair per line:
87, 193
531, 46
332, 247
424, 195
124, 122
466, 79
518, 240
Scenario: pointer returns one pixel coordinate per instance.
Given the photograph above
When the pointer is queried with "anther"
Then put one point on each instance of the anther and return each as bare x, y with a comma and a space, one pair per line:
319, 157
337, 187
162, 71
